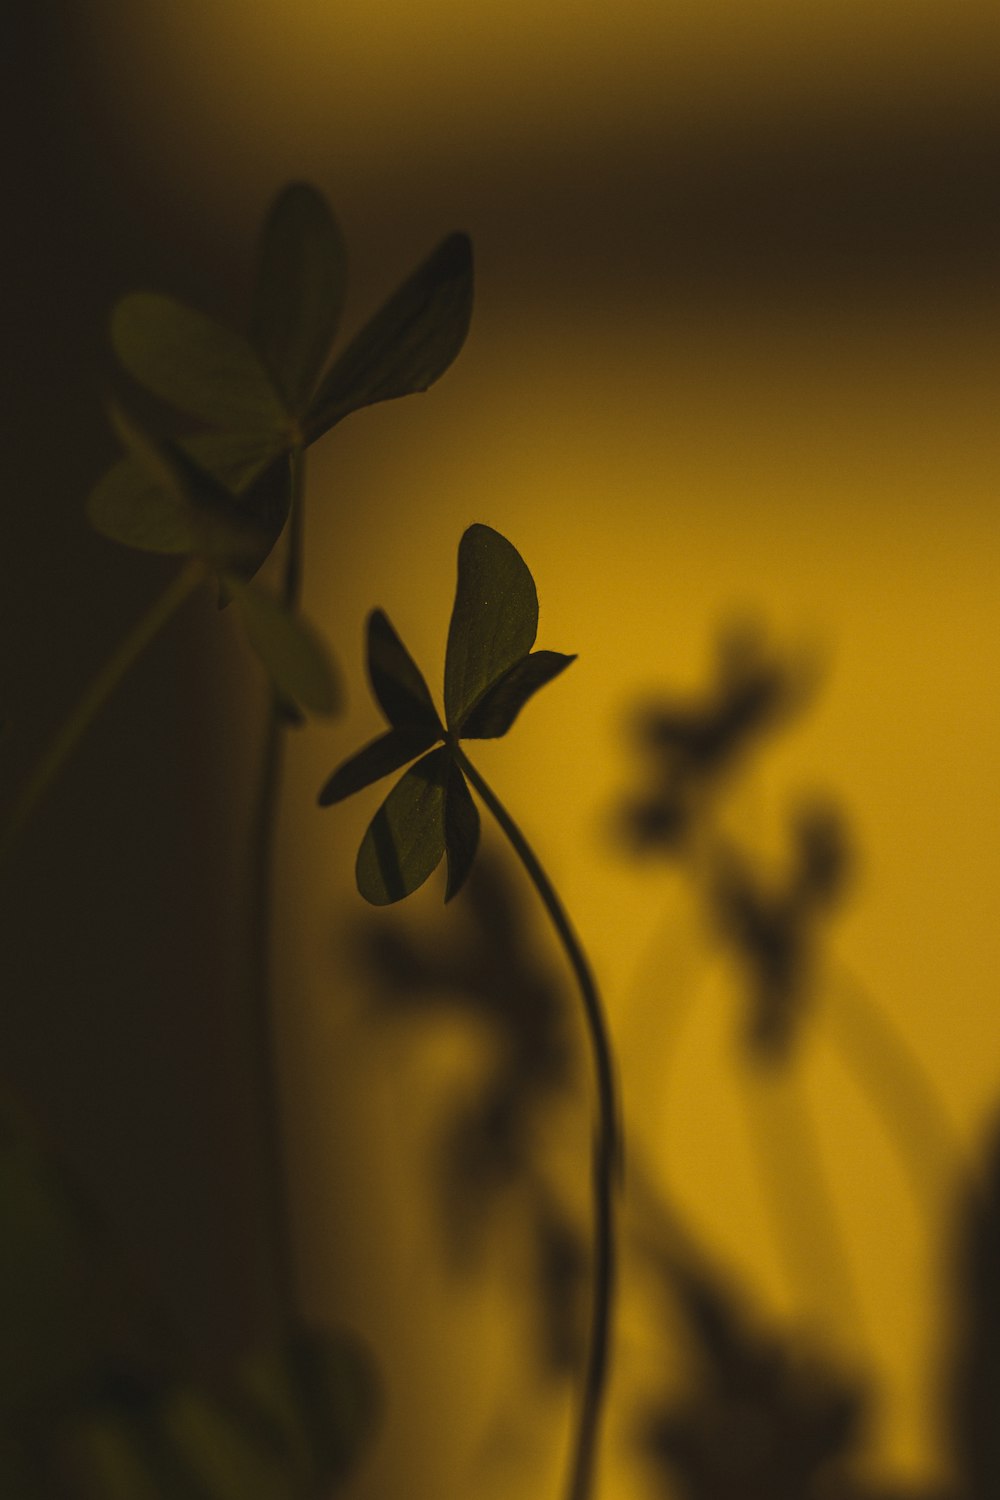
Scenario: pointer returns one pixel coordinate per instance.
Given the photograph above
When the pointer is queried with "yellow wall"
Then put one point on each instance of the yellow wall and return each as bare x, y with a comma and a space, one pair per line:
701, 377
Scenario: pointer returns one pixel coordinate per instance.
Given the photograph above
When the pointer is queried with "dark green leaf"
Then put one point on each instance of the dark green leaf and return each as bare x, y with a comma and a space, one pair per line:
408, 344
405, 839
500, 705
397, 681
235, 458
197, 365
494, 621
320, 1396
461, 831
218, 527
128, 505
265, 502
375, 760
300, 291
294, 655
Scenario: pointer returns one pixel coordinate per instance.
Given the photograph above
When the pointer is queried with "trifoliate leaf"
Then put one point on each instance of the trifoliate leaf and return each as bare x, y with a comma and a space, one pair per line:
461, 831
320, 1396
396, 679
217, 526
196, 364
405, 839
377, 759
493, 623
300, 291
408, 344
500, 705
294, 655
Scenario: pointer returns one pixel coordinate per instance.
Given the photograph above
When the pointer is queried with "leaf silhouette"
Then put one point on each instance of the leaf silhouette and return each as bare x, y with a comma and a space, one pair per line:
405, 840
294, 655
489, 675
409, 343
197, 365
493, 623
500, 704
396, 680
300, 290
377, 759
194, 511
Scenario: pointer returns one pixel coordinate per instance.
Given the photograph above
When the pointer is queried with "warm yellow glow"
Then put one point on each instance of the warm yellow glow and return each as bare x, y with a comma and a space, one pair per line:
661, 457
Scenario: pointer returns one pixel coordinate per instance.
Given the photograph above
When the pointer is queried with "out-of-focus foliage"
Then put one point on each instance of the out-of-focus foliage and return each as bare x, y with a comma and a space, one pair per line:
93, 1407
487, 1158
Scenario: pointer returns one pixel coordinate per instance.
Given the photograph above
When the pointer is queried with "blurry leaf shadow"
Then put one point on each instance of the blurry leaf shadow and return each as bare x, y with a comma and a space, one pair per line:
754, 1414
478, 962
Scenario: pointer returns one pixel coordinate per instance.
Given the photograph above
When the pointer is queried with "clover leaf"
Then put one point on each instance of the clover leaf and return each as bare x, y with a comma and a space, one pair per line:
207, 519
262, 395
490, 673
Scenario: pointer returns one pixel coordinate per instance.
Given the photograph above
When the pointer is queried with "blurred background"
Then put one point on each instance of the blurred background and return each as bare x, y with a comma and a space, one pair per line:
733, 368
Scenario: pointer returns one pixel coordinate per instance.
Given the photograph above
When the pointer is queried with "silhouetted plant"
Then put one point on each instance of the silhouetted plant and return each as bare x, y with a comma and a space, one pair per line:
222, 497
692, 747
490, 673
99, 1398
772, 926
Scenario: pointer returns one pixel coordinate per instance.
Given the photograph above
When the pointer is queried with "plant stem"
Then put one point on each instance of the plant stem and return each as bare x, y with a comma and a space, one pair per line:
281, 1271
606, 1158
72, 730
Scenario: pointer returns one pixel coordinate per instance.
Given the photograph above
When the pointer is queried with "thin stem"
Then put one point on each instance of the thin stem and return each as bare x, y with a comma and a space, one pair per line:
281, 1272
606, 1158
72, 730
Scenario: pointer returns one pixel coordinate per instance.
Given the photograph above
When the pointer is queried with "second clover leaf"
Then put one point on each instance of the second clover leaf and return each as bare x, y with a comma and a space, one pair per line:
490, 673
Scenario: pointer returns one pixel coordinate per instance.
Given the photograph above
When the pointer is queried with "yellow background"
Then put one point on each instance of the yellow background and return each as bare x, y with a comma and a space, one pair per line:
734, 347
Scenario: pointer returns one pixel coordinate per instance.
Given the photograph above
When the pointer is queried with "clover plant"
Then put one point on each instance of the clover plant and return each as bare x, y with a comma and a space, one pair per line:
490, 673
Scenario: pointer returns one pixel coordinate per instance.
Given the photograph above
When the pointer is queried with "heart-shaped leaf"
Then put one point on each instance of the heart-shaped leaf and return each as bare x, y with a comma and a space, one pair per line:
409, 343
405, 839
461, 831
397, 681
192, 500
293, 653
300, 291
377, 759
500, 705
493, 623
196, 364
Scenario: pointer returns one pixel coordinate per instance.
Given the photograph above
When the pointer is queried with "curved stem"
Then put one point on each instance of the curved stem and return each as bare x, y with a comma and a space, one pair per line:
606, 1158
72, 730
280, 1273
